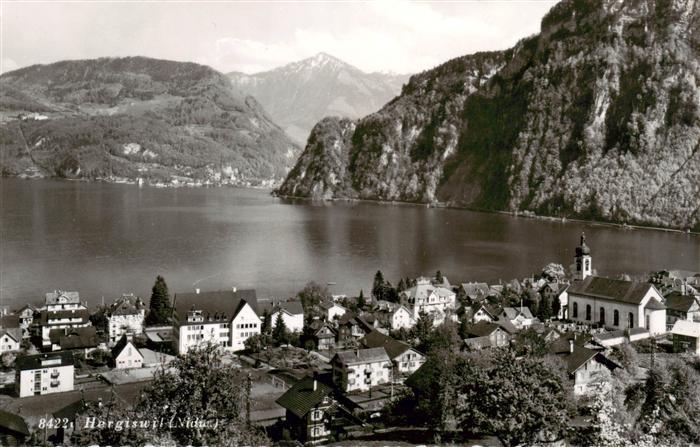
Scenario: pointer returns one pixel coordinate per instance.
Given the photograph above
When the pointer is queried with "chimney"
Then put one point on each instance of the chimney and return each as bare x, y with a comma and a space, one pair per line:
571, 346
196, 291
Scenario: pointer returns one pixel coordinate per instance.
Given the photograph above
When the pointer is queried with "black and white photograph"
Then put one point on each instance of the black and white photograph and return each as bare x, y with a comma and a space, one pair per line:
379, 223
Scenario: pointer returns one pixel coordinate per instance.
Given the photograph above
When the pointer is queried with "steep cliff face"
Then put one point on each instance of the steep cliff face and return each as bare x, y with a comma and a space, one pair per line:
128, 118
597, 117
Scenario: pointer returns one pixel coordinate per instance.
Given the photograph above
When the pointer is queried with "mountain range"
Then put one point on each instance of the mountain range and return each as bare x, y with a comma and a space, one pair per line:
595, 117
137, 118
301, 93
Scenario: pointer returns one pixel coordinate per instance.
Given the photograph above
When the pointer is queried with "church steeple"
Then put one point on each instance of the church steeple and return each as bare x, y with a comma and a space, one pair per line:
583, 258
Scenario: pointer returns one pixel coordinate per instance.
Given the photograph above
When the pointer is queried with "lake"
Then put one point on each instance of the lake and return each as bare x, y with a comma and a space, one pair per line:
107, 239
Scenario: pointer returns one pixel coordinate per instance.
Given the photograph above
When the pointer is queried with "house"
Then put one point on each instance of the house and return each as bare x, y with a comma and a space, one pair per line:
686, 335
520, 317
13, 429
438, 301
44, 373
395, 316
81, 338
316, 411
484, 312
585, 367
10, 334
361, 369
617, 304
473, 291
557, 291
225, 318
26, 319
485, 335
324, 335
404, 358
351, 328
681, 307
126, 355
292, 314
125, 316
62, 310
332, 310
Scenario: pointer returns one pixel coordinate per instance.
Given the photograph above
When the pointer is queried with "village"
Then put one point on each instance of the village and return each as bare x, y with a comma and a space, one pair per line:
324, 368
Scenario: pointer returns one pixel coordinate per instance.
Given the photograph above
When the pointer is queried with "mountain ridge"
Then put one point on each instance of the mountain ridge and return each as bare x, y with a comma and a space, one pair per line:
137, 118
596, 117
300, 93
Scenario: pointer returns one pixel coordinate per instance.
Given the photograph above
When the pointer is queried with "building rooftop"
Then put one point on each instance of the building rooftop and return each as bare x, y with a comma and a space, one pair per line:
393, 347
481, 329
127, 305
74, 338
48, 360
219, 305
13, 423
686, 328
361, 356
121, 344
303, 396
630, 292
62, 297
512, 313
678, 302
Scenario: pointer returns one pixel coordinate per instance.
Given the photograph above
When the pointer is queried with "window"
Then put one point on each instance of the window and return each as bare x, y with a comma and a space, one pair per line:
616, 318
630, 320
575, 310
646, 322
588, 312
602, 315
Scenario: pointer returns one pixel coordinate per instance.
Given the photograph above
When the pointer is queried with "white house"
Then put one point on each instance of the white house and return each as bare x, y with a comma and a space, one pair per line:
483, 312
587, 368
26, 318
361, 369
333, 310
520, 317
225, 318
10, 339
44, 374
126, 355
125, 316
687, 333
394, 315
438, 301
557, 291
405, 359
292, 314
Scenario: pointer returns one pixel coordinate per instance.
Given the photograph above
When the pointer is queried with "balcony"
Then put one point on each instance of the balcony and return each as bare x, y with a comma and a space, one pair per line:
55, 375
55, 383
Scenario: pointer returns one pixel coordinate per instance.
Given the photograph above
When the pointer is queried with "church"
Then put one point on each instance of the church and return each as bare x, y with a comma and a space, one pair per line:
613, 303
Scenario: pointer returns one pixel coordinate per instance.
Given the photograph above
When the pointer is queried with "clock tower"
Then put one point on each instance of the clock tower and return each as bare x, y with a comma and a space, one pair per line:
584, 268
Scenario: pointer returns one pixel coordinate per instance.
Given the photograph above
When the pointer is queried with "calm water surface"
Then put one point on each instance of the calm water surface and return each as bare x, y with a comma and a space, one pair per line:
104, 240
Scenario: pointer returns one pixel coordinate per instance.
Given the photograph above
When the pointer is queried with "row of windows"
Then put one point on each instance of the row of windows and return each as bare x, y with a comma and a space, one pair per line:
247, 326
601, 315
248, 334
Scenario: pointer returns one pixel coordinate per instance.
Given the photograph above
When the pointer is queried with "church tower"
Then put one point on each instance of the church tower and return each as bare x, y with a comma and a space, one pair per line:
584, 268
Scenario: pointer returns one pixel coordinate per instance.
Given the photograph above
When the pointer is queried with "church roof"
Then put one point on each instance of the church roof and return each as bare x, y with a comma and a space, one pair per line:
630, 292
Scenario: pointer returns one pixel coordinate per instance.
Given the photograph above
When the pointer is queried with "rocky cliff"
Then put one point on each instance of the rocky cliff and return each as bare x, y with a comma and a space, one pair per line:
596, 117
134, 118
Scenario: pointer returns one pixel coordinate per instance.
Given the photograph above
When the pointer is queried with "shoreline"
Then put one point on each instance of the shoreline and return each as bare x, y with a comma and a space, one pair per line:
523, 214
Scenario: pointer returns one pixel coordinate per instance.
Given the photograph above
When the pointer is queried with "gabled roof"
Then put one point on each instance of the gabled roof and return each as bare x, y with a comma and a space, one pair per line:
302, 397
121, 344
630, 292
45, 315
13, 423
473, 289
74, 338
9, 321
492, 311
481, 329
214, 305
580, 356
361, 356
393, 347
424, 289
512, 313
14, 333
127, 305
678, 302
686, 328
57, 296
654, 304
506, 325
52, 360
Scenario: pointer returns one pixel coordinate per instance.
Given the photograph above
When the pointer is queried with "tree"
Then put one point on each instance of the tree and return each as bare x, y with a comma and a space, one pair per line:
266, 323
8, 360
438, 277
423, 329
199, 385
401, 286
256, 343
520, 401
160, 309
554, 272
311, 296
280, 334
361, 300
545, 308
445, 337
99, 319
378, 286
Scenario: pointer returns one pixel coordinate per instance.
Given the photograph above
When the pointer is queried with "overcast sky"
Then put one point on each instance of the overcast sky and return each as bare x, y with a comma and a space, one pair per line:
393, 36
